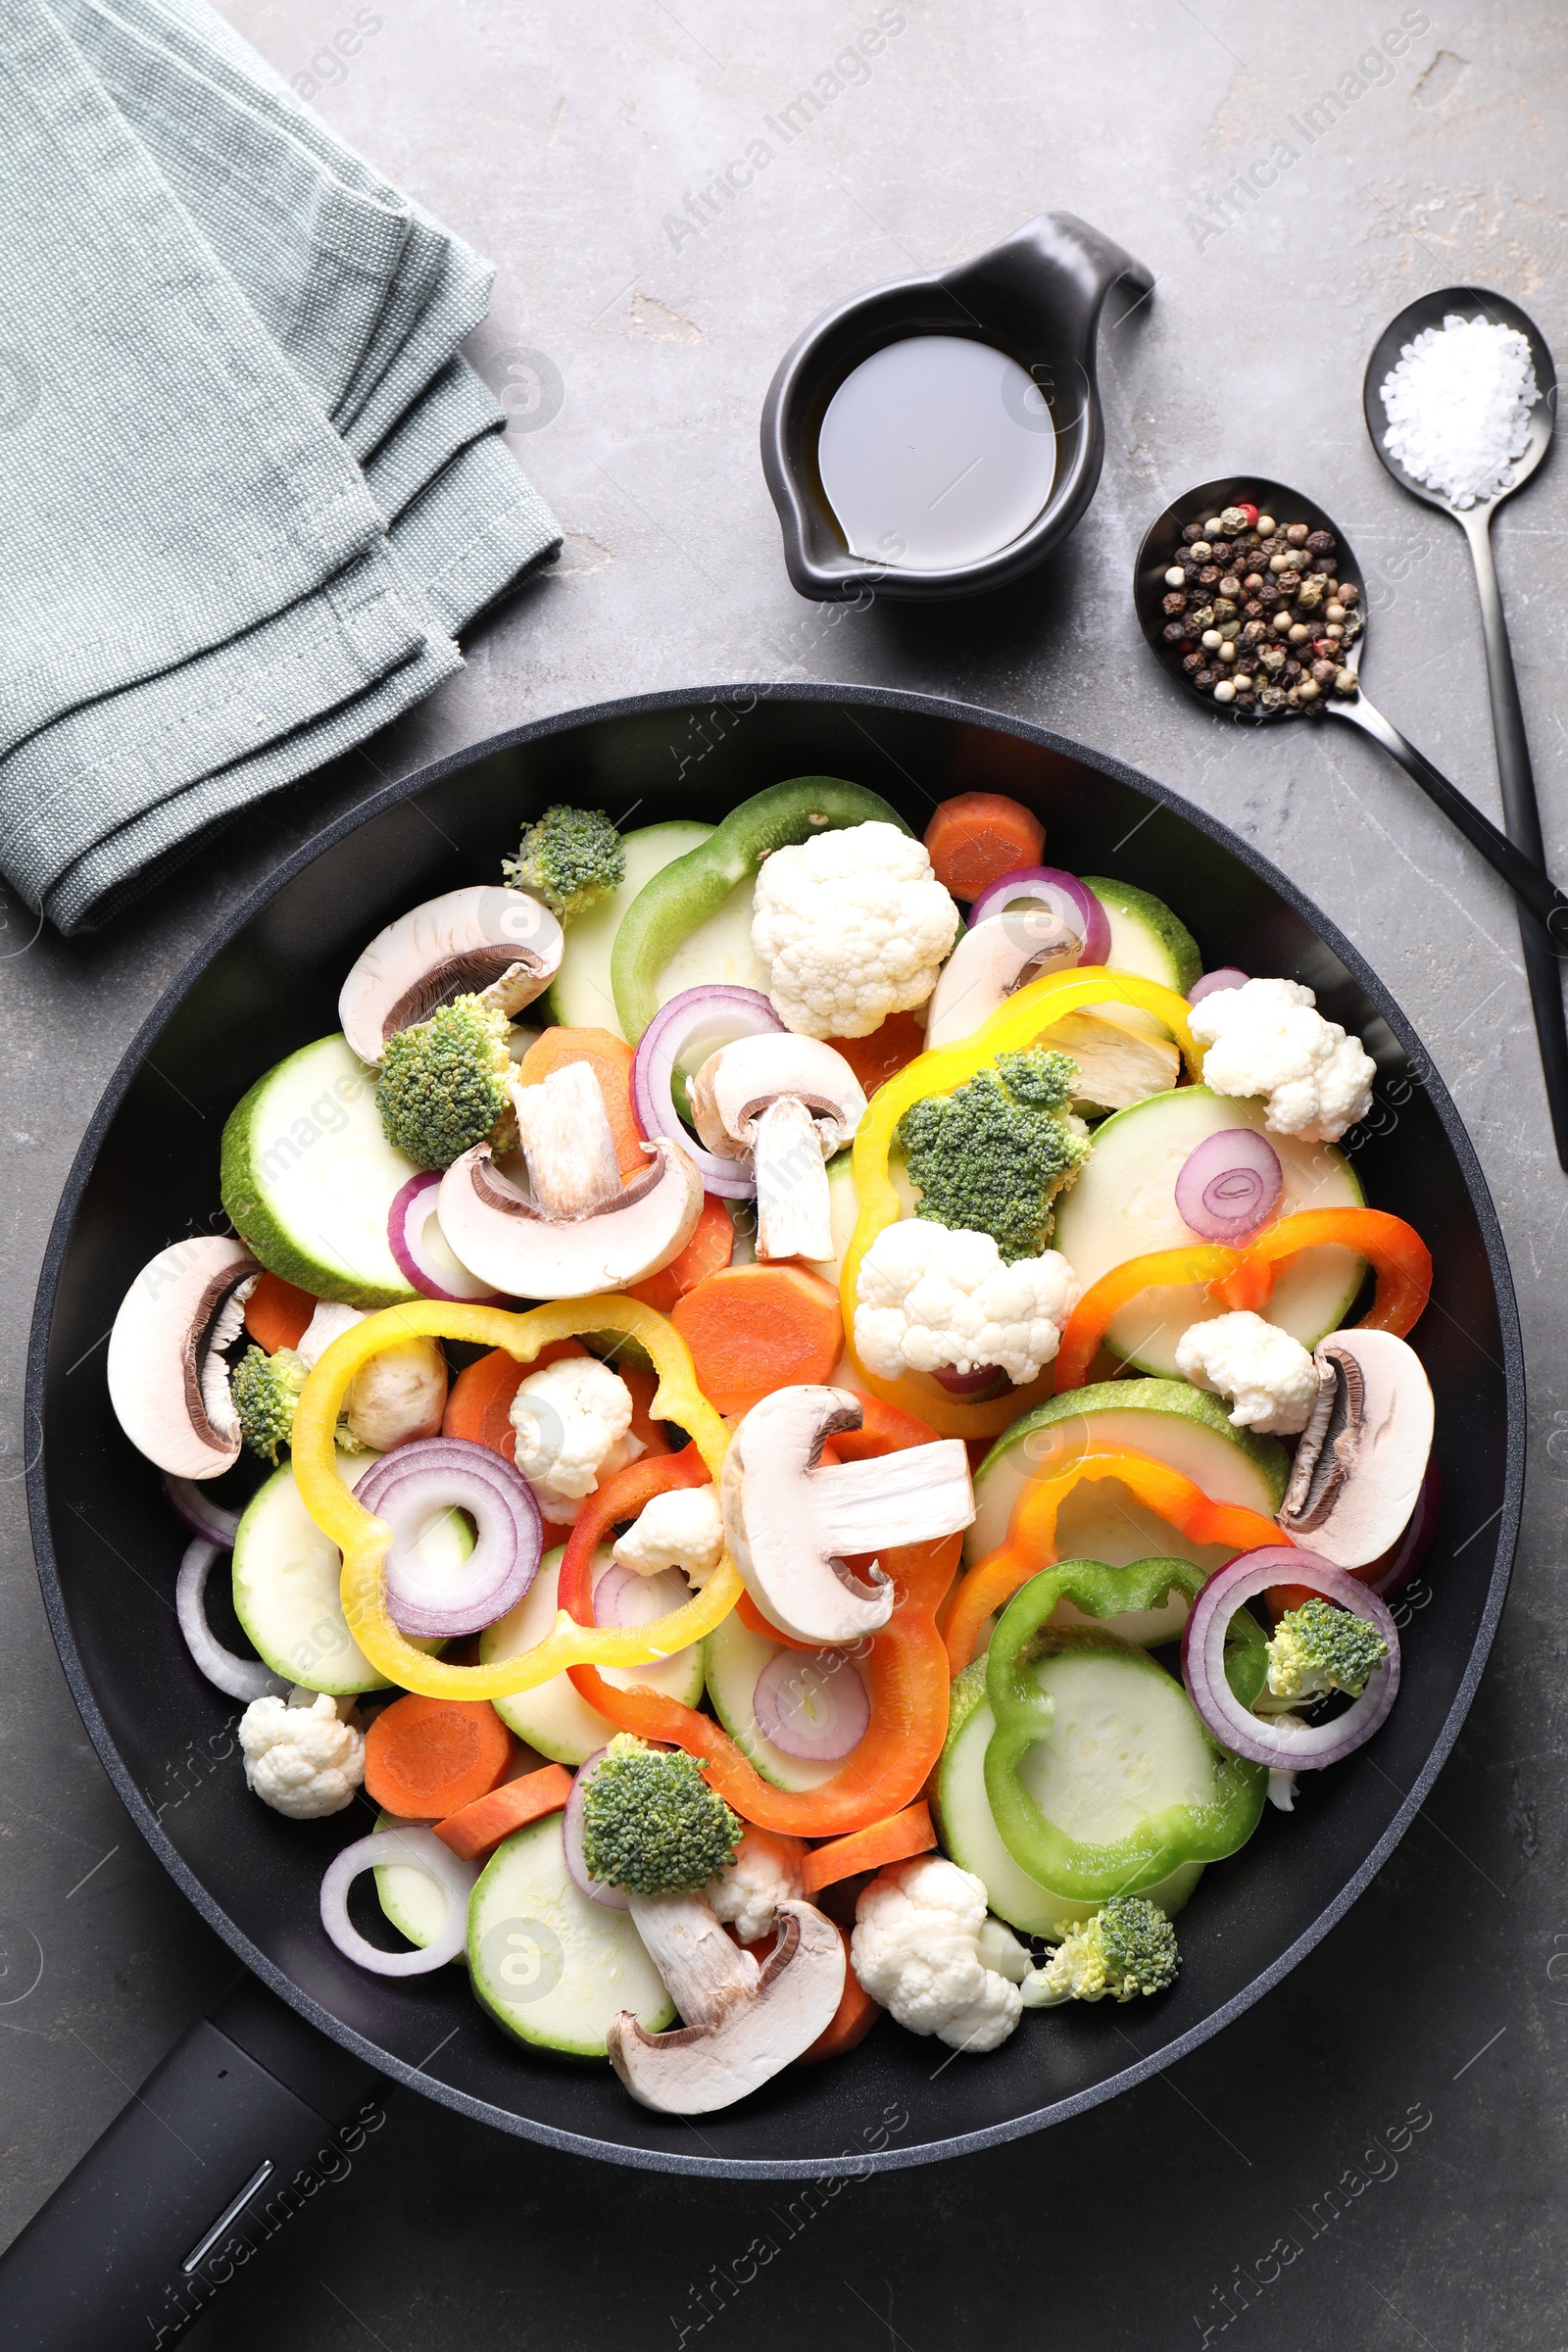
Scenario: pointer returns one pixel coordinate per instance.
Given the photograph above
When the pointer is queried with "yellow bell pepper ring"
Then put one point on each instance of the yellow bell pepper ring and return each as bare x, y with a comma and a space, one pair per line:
363, 1539
1012, 1028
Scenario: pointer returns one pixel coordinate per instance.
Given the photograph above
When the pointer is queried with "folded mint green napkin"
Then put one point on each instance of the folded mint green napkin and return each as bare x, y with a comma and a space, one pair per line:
253, 491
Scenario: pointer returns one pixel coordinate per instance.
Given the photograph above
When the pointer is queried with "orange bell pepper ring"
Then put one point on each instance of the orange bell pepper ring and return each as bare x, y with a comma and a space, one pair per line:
1032, 1541
1244, 1278
905, 1664
1013, 1027
363, 1541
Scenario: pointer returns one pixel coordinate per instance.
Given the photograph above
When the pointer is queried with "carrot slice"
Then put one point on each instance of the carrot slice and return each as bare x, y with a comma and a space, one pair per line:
610, 1059
753, 1329
706, 1252
876, 1059
893, 1840
978, 837
480, 1827
852, 2021
425, 1758
479, 1399
276, 1313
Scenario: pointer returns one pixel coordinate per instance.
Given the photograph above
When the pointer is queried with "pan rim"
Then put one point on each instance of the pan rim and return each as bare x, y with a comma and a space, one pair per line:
640, 2159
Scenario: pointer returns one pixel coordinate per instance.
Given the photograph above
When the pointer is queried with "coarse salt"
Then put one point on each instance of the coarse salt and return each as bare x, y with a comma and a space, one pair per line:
1458, 407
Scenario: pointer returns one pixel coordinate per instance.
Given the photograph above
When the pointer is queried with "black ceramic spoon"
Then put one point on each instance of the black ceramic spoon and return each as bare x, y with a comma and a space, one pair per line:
1515, 777
1523, 876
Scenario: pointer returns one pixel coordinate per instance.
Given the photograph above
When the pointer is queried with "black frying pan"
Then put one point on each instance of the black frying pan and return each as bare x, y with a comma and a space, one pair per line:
147, 1173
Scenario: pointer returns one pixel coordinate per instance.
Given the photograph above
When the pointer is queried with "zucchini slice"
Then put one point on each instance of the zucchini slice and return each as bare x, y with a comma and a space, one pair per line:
581, 995
553, 1967
554, 1717
734, 1658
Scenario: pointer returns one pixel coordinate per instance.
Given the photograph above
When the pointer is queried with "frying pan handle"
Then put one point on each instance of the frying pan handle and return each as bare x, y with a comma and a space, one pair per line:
251, 2113
1524, 877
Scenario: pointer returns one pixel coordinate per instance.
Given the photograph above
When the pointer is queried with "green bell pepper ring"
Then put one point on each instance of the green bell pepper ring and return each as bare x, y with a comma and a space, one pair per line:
1023, 1712
685, 893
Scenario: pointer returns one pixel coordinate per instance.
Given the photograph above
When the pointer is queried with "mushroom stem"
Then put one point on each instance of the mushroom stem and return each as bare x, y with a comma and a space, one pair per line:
565, 1131
516, 987
793, 1205
907, 1498
706, 1974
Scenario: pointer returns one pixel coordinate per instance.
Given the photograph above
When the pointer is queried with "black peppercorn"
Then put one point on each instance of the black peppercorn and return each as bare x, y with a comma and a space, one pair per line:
1324, 671
1192, 531
1320, 543
1220, 550
1176, 632
1192, 661
1204, 677
1291, 669
1252, 610
1208, 577
1175, 601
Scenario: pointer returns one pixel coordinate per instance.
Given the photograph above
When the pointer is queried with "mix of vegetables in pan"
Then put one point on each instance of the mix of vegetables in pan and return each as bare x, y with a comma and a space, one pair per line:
811, 1451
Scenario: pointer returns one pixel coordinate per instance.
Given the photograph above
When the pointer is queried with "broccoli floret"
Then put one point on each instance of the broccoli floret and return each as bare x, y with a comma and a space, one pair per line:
1127, 1948
265, 1389
443, 1084
569, 859
992, 1157
1318, 1647
652, 1823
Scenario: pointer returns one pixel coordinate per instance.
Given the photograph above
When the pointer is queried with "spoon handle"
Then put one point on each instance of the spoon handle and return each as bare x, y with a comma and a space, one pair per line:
1522, 817
1523, 876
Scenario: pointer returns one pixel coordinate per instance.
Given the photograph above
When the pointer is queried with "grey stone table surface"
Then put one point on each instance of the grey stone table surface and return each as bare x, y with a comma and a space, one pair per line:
1292, 185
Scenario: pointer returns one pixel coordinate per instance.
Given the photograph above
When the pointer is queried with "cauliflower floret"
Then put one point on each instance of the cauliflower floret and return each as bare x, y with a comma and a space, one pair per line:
573, 1423
1270, 1376
681, 1528
765, 1872
928, 1298
852, 926
1266, 1039
916, 1950
302, 1761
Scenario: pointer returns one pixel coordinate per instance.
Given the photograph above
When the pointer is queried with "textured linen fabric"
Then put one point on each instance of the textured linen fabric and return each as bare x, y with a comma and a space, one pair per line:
251, 489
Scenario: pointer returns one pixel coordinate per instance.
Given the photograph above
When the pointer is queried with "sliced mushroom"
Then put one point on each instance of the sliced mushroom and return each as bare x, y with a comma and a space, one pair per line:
744, 2021
167, 1381
577, 1230
789, 1521
1364, 1452
788, 1103
988, 964
482, 940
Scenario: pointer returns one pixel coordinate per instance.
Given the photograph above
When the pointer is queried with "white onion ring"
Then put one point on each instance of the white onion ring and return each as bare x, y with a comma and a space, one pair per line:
716, 1011
1299, 1747
597, 1890
406, 1486
236, 1678
419, 1849
204, 1516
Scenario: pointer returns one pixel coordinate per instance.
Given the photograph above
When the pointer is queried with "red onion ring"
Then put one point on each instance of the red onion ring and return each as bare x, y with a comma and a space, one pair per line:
201, 1513
720, 1012
623, 1597
1229, 1185
597, 1890
811, 1703
406, 1220
1211, 983
406, 1486
236, 1678
419, 1849
976, 1384
1260, 1740
1050, 887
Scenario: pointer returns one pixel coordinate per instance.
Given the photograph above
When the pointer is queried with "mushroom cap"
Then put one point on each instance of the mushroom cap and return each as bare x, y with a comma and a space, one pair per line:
502, 1235
1364, 1451
764, 2024
456, 944
981, 973
736, 1084
167, 1383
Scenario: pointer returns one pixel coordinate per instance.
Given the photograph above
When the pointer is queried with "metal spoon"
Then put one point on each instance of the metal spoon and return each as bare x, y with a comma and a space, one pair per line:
1520, 811
1523, 876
